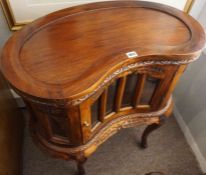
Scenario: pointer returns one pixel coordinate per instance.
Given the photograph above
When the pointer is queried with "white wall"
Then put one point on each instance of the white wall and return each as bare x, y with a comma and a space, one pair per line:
202, 17
190, 98
4, 29
37, 8
197, 8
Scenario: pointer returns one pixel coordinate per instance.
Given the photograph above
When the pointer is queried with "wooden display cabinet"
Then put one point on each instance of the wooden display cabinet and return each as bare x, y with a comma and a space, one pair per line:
88, 71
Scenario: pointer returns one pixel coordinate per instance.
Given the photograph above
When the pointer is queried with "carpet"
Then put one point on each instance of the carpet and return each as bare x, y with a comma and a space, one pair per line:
168, 153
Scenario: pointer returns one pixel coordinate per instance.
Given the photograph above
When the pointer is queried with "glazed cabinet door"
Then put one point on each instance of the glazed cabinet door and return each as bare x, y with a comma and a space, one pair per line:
142, 90
58, 124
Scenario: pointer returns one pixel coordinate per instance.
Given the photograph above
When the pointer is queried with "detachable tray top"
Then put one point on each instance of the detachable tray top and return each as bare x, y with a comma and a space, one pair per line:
68, 52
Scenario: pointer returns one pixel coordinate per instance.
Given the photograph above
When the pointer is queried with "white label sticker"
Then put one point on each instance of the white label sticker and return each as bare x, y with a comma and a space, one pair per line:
132, 54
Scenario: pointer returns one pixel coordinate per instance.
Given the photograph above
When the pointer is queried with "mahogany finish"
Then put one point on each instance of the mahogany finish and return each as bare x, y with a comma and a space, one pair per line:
11, 132
72, 69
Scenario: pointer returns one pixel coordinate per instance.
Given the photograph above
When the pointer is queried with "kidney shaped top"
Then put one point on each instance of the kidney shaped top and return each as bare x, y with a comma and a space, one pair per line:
67, 53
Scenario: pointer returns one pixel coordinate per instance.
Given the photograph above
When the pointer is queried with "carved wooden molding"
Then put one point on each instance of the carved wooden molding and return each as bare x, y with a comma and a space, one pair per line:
111, 128
130, 67
108, 79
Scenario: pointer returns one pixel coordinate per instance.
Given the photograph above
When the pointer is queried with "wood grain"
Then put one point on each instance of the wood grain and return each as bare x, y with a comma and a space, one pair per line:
86, 46
73, 63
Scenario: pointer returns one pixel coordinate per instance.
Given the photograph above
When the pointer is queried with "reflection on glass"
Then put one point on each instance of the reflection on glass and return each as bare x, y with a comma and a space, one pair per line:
111, 95
95, 108
149, 88
129, 91
59, 125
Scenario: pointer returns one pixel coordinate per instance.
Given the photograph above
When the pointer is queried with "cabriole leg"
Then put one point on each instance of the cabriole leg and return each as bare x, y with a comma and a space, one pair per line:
148, 130
81, 159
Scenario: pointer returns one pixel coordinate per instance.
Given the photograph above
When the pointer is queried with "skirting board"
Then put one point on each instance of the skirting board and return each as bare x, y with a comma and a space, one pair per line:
190, 139
204, 51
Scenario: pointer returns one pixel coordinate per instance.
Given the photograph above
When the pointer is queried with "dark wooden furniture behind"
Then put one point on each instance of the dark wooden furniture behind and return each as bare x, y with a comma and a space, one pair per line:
11, 132
86, 72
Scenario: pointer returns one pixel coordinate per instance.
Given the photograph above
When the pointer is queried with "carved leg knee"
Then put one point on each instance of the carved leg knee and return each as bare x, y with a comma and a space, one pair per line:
148, 130
80, 159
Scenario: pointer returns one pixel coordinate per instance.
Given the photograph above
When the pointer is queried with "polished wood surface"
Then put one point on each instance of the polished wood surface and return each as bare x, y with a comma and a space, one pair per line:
88, 71
90, 41
11, 131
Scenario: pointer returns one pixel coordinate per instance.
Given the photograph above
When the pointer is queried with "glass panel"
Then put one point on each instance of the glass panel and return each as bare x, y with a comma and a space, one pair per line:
111, 94
59, 125
149, 88
95, 108
129, 91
